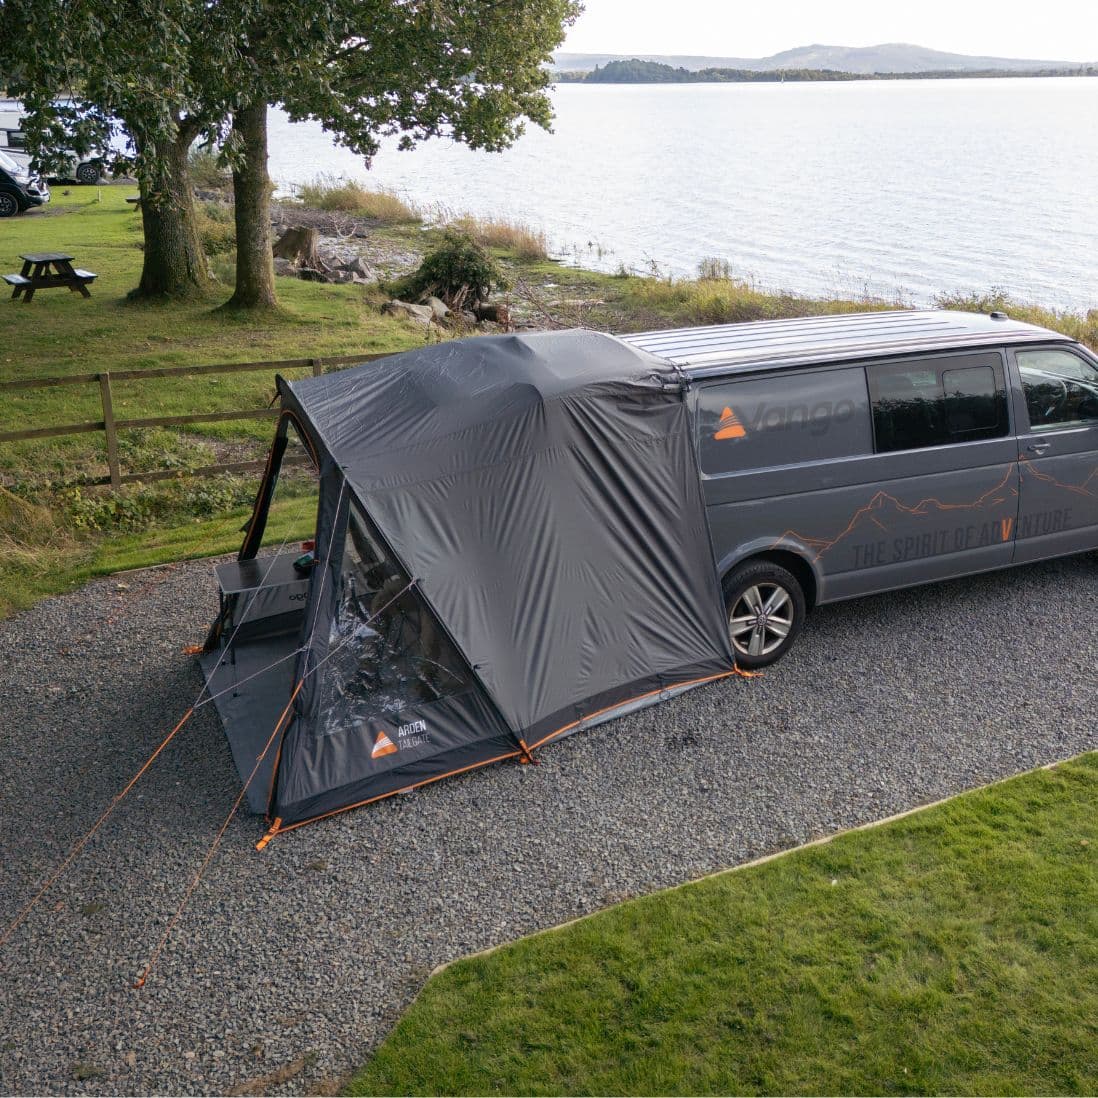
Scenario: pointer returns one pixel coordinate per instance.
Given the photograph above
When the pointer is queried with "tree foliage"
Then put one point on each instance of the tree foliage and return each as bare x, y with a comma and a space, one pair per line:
168, 72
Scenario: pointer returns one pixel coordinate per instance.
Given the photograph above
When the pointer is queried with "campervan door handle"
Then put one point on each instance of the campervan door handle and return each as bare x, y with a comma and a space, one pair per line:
1038, 447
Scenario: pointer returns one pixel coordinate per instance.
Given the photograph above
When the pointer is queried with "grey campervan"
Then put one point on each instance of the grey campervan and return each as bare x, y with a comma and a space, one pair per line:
848, 455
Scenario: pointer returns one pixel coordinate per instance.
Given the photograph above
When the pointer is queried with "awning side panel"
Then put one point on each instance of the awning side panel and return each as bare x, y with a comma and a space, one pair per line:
390, 699
360, 761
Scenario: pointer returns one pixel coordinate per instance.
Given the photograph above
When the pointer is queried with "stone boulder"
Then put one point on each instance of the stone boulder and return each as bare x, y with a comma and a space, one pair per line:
418, 314
358, 266
438, 308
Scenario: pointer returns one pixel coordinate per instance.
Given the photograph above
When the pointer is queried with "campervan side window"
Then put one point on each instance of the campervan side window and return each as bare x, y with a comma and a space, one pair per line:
783, 419
17, 139
937, 402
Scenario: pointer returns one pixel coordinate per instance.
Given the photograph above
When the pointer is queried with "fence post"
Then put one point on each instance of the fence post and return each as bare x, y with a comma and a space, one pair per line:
317, 365
109, 428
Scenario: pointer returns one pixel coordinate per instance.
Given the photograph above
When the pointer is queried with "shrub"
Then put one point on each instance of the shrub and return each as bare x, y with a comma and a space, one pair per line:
216, 228
128, 508
221, 212
458, 270
207, 172
135, 507
515, 237
345, 196
710, 268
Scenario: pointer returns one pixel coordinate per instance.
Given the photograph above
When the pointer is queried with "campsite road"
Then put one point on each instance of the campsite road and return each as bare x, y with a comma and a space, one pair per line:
290, 965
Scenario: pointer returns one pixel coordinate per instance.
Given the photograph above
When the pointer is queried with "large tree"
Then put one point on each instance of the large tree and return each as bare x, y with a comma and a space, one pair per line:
275, 48
170, 71
130, 64
472, 70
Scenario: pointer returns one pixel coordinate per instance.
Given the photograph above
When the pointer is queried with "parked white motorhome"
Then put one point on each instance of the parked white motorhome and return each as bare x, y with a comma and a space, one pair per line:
13, 142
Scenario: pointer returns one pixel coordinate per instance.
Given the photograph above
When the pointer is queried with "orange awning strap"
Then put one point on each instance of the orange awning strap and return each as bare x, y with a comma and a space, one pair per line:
262, 844
140, 981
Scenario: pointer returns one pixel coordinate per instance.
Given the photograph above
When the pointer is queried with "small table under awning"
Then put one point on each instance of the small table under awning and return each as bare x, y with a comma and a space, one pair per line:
266, 586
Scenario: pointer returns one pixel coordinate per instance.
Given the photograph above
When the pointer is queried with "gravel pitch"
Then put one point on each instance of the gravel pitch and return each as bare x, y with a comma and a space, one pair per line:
290, 965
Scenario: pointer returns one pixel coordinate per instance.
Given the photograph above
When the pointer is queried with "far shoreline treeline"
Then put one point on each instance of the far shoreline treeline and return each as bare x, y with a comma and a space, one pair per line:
635, 71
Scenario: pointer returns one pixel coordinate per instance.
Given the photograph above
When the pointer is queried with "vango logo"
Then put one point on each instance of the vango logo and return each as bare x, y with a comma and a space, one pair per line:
729, 426
383, 746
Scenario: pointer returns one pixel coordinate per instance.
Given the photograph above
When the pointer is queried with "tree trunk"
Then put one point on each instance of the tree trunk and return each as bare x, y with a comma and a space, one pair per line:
255, 285
300, 244
174, 264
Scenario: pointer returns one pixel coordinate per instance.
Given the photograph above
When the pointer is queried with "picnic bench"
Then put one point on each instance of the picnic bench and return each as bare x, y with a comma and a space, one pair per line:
45, 271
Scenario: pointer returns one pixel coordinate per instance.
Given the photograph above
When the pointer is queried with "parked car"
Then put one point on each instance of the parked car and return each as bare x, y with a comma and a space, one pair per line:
849, 455
81, 169
19, 190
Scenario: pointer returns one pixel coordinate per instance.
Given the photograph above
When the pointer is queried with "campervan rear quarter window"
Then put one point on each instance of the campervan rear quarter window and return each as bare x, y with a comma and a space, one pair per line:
783, 419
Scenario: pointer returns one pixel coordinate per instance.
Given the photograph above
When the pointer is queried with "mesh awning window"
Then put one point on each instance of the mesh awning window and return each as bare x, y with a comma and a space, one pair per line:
386, 651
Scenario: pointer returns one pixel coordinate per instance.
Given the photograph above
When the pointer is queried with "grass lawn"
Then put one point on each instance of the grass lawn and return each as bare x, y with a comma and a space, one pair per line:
951, 952
61, 333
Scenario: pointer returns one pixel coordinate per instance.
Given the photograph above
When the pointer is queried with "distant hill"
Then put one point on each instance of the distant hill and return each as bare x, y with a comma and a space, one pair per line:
635, 71
653, 72
892, 57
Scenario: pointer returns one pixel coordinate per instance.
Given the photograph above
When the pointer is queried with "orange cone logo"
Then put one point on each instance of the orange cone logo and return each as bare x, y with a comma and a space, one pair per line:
729, 426
383, 746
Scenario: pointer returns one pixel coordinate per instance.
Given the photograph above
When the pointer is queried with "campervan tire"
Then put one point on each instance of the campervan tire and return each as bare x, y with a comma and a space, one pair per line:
89, 173
766, 608
9, 206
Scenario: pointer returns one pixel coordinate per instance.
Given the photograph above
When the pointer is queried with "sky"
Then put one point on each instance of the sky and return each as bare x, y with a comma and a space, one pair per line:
1054, 30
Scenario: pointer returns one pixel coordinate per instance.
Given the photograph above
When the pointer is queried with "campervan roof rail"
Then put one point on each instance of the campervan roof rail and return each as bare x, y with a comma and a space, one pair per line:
795, 341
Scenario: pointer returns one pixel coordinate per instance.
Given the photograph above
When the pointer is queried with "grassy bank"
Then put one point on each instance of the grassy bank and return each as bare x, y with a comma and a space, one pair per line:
63, 334
73, 535
41, 553
60, 333
951, 952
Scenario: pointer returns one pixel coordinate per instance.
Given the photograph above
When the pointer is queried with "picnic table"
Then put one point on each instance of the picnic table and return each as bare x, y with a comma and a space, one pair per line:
45, 271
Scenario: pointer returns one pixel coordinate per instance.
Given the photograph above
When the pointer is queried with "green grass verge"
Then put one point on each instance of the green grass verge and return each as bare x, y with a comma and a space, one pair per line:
950, 952
41, 556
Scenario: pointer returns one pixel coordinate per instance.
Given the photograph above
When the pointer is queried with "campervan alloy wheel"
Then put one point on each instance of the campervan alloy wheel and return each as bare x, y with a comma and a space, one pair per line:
766, 608
8, 206
89, 173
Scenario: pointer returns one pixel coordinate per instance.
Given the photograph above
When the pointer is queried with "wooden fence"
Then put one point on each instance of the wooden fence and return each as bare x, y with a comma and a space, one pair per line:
110, 426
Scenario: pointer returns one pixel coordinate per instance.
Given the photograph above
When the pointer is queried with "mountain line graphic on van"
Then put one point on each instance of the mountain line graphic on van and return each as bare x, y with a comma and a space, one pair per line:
882, 502
1027, 466
729, 426
884, 506
383, 746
